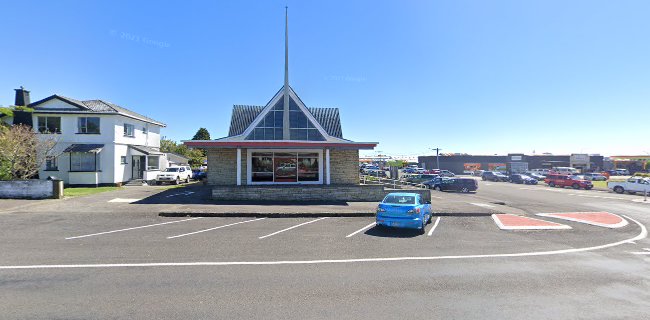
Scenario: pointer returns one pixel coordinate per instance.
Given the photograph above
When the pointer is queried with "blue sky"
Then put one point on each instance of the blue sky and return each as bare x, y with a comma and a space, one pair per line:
479, 77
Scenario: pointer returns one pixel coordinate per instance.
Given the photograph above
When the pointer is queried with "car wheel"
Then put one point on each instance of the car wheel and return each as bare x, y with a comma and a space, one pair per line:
429, 220
483, 178
422, 230
551, 184
575, 186
187, 180
158, 182
178, 181
619, 189
464, 190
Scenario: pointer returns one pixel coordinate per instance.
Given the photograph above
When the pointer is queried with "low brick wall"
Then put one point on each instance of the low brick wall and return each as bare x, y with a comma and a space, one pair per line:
373, 193
299, 193
30, 189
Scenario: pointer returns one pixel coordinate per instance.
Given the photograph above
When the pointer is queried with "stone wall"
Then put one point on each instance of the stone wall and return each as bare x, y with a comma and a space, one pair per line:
345, 166
299, 193
31, 189
222, 169
374, 193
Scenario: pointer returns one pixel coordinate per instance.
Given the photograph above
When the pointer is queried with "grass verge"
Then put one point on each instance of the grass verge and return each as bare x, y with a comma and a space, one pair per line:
80, 192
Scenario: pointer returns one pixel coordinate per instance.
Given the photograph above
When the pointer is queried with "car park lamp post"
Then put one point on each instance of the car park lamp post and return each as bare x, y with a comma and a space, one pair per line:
437, 157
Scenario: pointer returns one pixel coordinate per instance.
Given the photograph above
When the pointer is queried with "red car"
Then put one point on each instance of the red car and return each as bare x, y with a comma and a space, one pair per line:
563, 180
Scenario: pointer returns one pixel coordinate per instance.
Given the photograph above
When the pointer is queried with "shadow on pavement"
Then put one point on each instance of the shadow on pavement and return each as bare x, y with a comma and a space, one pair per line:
194, 193
387, 232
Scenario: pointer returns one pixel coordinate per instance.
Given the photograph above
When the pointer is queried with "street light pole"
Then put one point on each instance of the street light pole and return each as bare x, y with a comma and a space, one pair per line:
437, 157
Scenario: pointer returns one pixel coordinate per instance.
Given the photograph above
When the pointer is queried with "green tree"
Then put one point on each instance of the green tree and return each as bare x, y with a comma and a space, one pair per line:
196, 156
202, 134
22, 152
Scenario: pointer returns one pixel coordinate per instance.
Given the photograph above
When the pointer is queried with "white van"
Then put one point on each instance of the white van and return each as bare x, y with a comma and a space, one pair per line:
542, 172
566, 170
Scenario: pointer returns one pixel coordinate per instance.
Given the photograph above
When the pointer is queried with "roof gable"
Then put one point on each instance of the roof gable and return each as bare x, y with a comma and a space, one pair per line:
244, 116
61, 104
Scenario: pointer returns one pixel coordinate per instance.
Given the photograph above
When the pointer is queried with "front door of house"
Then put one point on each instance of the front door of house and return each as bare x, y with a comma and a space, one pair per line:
137, 167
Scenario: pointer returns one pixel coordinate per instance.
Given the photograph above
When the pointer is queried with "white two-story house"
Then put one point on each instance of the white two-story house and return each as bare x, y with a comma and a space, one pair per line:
98, 143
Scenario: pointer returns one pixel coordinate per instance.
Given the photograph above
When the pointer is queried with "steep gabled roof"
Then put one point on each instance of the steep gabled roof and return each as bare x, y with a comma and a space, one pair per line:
91, 106
243, 116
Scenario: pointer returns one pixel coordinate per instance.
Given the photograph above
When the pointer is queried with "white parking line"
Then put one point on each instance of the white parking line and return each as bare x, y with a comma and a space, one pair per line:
484, 205
127, 229
434, 227
122, 200
215, 228
287, 229
362, 229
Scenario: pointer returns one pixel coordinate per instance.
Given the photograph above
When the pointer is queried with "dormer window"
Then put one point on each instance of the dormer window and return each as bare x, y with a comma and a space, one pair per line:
88, 125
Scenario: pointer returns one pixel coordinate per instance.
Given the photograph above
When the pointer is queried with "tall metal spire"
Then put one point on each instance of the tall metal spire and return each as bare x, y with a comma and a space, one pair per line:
285, 125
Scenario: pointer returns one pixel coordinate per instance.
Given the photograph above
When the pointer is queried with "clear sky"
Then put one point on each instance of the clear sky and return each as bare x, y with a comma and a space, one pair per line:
480, 77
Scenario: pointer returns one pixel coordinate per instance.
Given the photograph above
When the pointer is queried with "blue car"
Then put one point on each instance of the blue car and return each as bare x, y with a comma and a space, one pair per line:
404, 210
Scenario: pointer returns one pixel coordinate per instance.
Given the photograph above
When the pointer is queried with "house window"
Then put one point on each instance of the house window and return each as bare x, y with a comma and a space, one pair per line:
50, 163
123, 160
153, 163
88, 125
84, 161
49, 124
289, 167
144, 130
128, 130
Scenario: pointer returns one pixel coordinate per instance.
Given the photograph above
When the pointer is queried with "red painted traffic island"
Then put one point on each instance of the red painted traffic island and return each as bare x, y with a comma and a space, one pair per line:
601, 219
514, 222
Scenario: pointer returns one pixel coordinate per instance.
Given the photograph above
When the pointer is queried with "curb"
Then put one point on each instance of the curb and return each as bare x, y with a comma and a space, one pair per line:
266, 214
208, 214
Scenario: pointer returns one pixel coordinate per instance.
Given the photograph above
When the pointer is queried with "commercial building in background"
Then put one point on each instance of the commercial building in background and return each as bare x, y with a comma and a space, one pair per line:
514, 162
631, 163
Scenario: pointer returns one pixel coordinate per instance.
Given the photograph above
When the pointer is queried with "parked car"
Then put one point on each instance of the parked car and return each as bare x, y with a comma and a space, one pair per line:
404, 210
376, 172
409, 170
198, 174
522, 179
435, 182
420, 178
367, 169
542, 172
478, 173
631, 185
457, 184
622, 172
447, 173
539, 177
563, 180
595, 177
175, 174
494, 176
565, 170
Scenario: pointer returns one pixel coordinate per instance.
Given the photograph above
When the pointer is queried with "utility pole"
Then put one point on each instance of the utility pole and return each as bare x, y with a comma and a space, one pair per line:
437, 157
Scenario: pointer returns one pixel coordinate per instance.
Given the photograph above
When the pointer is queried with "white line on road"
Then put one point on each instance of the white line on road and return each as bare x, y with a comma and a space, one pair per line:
642, 235
641, 253
287, 229
434, 227
362, 229
484, 205
215, 228
122, 200
127, 229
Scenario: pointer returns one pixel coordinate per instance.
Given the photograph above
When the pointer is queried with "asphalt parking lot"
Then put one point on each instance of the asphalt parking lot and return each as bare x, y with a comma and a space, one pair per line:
122, 259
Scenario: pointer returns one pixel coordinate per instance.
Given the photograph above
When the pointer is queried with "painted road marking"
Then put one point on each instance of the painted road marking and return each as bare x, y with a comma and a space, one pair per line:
293, 227
434, 227
484, 205
514, 222
186, 193
646, 252
642, 235
362, 229
134, 228
215, 228
122, 200
601, 219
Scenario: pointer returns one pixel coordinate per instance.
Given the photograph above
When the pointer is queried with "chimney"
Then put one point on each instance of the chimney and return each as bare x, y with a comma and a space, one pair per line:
22, 97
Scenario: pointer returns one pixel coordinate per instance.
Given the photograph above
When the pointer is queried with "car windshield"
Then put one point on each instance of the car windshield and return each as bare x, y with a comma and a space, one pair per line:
172, 170
399, 199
